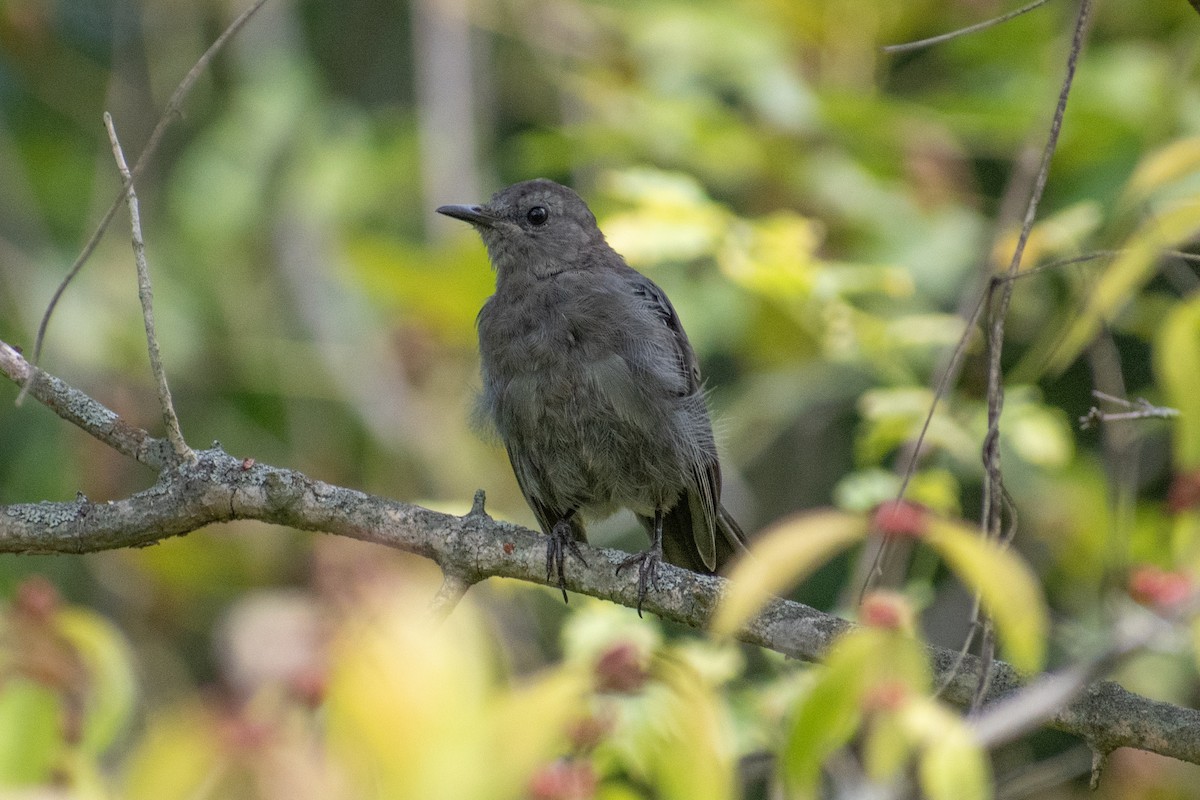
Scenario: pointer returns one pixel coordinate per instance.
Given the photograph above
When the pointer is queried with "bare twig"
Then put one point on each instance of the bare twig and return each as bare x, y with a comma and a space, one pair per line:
146, 296
453, 589
993, 488
979, 26
1192, 257
991, 449
172, 110
1135, 409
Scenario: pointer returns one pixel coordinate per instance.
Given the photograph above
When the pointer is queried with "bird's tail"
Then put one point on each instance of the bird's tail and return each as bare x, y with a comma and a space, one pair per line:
679, 538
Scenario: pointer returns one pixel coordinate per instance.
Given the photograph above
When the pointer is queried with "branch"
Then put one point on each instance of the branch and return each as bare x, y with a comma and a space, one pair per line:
76, 407
218, 487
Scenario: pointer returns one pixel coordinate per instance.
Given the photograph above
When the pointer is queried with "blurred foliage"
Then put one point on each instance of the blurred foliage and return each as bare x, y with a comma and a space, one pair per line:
824, 217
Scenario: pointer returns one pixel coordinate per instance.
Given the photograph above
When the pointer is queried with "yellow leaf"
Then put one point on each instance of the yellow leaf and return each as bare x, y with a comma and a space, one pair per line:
179, 755
783, 555
1063, 232
1006, 586
1127, 273
867, 669
693, 752
529, 725
1176, 357
1172, 162
112, 685
952, 766
407, 699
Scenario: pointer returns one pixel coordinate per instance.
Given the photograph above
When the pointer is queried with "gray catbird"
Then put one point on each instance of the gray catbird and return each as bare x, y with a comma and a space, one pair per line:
593, 386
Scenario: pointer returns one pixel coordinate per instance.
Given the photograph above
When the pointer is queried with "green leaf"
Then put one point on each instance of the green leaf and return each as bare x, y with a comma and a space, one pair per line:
1007, 587
781, 556
887, 747
824, 721
31, 743
863, 661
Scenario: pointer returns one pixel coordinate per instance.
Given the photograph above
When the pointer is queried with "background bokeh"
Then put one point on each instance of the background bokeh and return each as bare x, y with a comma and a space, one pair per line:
823, 216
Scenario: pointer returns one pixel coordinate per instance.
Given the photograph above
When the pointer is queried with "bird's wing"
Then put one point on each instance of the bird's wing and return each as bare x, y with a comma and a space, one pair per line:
706, 473
547, 517
654, 297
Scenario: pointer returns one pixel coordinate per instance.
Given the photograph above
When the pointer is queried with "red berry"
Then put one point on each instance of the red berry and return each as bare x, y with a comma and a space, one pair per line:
900, 518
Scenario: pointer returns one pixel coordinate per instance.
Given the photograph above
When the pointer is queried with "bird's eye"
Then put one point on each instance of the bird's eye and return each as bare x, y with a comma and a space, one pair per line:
537, 215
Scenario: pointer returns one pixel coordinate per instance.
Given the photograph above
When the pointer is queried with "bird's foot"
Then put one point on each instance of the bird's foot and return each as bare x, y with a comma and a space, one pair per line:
647, 562
561, 542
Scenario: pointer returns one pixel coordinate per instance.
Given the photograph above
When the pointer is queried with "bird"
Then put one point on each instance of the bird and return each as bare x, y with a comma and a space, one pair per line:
591, 384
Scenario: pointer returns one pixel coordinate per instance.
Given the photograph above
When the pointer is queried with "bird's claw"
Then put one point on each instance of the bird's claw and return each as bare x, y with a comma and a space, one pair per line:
647, 562
560, 543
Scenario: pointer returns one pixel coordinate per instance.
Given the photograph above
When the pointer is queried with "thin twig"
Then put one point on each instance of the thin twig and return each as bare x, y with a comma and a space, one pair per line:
993, 489
979, 26
1137, 409
454, 587
172, 110
1192, 257
146, 296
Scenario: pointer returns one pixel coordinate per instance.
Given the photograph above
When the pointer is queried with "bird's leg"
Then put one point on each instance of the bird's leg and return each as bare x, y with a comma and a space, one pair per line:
647, 561
562, 541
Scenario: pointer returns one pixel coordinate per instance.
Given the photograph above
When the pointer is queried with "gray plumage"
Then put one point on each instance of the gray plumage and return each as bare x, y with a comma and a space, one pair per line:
592, 385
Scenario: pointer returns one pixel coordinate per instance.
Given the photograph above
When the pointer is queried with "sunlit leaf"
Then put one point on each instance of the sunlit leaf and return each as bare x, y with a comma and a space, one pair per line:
1040, 435
894, 417
781, 556
1163, 166
1177, 362
775, 256
595, 626
672, 219
1007, 587
887, 659
1127, 273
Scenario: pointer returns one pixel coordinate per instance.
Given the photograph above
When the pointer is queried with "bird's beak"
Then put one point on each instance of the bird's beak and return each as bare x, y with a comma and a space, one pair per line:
476, 215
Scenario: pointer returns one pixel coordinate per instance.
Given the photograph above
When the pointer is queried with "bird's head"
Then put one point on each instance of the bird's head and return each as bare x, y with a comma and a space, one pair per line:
537, 227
